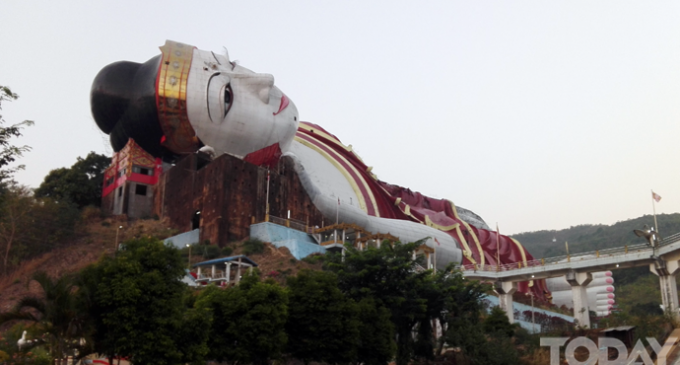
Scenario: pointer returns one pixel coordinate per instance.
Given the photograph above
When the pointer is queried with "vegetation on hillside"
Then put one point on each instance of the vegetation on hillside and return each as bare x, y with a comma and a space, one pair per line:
587, 237
81, 184
134, 305
9, 152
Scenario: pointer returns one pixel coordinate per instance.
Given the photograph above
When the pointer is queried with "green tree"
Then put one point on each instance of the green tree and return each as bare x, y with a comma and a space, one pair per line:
81, 183
485, 342
497, 322
8, 152
322, 324
55, 314
392, 277
248, 321
29, 227
137, 302
376, 334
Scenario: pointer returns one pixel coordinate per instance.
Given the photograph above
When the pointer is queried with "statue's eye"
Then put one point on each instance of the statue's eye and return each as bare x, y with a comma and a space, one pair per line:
227, 99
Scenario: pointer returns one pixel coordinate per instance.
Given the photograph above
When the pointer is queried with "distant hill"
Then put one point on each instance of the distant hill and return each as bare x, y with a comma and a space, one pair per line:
588, 237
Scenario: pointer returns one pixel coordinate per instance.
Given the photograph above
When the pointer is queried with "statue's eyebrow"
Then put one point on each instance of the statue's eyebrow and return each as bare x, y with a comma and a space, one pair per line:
215, 57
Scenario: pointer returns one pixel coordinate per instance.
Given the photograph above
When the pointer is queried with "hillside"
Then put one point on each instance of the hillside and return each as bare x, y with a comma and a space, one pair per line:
96, 237
588, 237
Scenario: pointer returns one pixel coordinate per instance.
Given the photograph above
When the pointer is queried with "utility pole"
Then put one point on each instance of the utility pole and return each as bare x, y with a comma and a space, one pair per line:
115, 248
188, 245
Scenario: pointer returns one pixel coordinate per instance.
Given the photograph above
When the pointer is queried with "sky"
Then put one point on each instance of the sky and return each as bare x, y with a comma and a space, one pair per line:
533, 114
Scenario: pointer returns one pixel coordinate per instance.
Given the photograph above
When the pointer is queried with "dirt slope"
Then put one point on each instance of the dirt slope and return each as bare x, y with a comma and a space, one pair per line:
97, 237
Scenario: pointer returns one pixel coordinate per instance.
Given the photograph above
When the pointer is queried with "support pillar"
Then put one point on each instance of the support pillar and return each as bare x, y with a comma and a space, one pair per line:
666, 271
238, 271
578, 282
505, 289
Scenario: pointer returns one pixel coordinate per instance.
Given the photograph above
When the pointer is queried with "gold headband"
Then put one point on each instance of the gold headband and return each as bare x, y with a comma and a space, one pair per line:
171, 98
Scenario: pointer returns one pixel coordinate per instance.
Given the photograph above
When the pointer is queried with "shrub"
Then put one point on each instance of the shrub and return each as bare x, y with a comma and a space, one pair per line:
226, 251
313, 259
210, 252
253, 246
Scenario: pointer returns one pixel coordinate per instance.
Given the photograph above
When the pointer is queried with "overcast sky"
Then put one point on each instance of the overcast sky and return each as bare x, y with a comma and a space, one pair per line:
533, 114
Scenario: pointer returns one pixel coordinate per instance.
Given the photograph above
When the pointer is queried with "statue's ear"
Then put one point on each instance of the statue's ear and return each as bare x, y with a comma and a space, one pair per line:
110, 94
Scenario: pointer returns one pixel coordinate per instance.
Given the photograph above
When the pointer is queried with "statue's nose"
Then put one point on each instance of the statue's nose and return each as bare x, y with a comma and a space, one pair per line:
259, 85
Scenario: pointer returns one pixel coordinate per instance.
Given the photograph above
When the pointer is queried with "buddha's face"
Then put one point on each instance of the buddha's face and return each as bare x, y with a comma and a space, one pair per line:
185, 98
235, 110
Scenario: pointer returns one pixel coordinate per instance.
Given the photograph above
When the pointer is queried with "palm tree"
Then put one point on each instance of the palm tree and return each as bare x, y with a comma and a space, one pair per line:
55, 314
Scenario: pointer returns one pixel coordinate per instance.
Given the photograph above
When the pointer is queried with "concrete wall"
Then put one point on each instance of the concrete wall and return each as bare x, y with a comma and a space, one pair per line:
183, 239
298, 243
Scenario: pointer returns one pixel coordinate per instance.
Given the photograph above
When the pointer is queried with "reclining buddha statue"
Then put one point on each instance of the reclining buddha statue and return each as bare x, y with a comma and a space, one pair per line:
186, 99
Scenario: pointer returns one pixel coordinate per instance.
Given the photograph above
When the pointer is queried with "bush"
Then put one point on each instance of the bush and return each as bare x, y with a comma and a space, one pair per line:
226, 251
313, 259
210, 252
253, 246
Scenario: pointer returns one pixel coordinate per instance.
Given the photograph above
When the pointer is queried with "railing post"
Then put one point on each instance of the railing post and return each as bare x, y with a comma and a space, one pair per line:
597, 253
266, 217
543, 262
626, 248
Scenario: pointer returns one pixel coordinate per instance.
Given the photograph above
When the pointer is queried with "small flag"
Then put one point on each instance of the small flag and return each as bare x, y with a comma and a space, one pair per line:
656, 196
436, 240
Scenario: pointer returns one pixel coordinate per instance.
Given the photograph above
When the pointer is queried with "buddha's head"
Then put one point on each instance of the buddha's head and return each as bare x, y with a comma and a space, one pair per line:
186, 98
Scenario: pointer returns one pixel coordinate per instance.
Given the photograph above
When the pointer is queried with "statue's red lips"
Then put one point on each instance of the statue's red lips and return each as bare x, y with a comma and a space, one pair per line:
284, 103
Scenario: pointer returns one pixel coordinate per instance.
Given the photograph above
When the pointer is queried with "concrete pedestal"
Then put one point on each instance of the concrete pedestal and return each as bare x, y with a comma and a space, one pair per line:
666, 271
578, 282
505, 289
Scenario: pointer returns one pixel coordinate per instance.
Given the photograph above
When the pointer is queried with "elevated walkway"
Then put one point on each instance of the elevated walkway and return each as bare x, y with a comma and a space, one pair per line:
663, 260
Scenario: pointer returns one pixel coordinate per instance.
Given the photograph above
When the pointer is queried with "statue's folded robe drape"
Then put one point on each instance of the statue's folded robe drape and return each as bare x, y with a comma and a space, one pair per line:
480, 246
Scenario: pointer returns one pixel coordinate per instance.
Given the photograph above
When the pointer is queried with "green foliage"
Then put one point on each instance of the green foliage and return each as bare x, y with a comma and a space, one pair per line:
208, 252
227, 251
390, 276
191, 337
211, 252
135, 301
497, 323
11, 354
30, 227
644, 291
645, 309
376, 333
253, 246
323, 324
8, 152
478, 347
314, 259
247, 321
55, 315
81, 183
